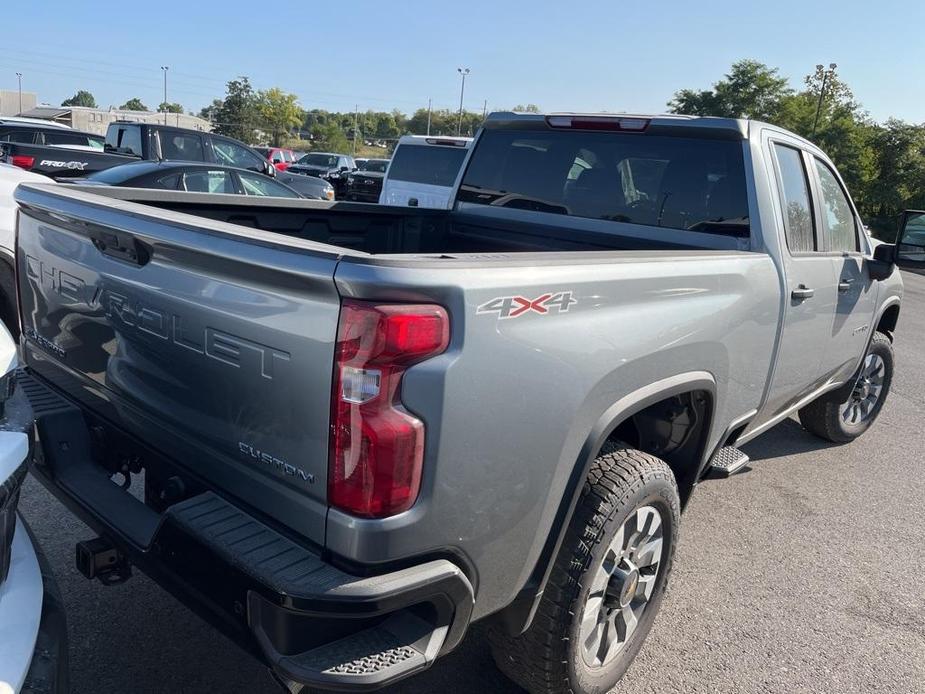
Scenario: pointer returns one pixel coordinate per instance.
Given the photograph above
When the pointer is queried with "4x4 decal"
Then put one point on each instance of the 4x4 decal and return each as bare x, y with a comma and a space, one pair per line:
514, 306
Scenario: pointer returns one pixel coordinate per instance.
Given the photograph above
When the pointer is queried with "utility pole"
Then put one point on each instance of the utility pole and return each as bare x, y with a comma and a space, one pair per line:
485, 110
165, 68
825, 77
462, 91
19, 77
356, 124
428, 116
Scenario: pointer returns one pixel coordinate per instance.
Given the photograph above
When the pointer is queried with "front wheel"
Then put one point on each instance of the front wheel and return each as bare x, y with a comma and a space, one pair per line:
843, 415
607, 582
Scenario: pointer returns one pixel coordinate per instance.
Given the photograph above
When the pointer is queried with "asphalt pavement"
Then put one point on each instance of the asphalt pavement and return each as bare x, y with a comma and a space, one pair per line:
805, 573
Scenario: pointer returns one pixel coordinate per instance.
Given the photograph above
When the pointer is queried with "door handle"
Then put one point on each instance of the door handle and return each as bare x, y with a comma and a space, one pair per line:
802, 293
844, 285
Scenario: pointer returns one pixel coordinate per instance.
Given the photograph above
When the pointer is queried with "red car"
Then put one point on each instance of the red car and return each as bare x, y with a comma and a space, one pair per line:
279, 157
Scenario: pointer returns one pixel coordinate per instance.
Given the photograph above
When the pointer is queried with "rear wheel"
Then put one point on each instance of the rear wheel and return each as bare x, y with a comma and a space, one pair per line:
845, 414
607, 582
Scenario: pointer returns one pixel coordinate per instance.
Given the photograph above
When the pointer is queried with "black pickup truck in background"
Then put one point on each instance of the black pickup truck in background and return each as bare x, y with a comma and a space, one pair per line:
127, 142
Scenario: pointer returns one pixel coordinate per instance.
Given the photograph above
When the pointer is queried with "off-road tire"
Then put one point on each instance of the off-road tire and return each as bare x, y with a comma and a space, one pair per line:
823, 416
547, 659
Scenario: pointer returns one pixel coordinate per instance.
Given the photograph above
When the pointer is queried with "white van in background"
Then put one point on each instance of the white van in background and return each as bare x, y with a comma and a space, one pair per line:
423, 171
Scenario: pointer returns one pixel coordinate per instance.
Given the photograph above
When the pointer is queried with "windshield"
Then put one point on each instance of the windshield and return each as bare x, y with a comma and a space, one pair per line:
319, 160
430, 164
375, 165
677, 182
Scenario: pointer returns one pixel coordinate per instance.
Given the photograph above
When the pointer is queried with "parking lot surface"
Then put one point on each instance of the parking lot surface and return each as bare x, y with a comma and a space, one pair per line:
805, 573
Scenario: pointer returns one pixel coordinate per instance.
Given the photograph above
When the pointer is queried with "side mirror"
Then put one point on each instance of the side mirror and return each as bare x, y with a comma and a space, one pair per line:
910, 246
883, 262
269, 169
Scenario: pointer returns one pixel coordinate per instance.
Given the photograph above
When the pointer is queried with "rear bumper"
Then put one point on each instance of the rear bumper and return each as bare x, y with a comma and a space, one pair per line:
312, 623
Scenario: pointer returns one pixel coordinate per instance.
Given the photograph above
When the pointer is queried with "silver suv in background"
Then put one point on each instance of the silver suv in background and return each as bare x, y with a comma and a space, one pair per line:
424, 170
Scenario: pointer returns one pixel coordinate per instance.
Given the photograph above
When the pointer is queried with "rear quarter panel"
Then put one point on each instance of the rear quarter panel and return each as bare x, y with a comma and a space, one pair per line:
510, 404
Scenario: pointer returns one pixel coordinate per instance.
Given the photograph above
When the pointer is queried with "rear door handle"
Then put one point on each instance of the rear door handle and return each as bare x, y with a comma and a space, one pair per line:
844, 285
802, 293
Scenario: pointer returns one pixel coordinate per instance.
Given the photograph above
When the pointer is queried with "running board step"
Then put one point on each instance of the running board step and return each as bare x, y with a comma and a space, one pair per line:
727, 461
398, 647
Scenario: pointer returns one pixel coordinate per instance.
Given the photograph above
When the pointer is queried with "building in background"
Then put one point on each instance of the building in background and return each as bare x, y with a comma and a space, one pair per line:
97, 120
9, 101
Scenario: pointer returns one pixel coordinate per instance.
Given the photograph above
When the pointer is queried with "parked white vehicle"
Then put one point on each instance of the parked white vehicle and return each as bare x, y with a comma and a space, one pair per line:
33, 639
424, 170
10, 177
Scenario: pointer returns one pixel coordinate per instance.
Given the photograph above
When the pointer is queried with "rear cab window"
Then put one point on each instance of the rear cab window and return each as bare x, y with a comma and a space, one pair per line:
686, 183
435, 165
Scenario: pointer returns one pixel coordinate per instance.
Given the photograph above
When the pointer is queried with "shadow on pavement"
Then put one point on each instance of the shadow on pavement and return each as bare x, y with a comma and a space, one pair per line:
787, 438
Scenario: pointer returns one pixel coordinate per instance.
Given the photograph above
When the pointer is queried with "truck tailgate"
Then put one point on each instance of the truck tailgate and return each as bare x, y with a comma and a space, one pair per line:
212, 344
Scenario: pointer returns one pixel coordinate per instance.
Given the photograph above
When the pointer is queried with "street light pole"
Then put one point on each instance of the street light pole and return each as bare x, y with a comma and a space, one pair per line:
462, 92
825, 77
19, 77
165, 68
429, 106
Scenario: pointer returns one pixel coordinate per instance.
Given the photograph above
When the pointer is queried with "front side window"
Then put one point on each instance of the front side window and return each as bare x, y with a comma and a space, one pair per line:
798, 211
230, 154
255, 184
205, 181
837, 216
674, 182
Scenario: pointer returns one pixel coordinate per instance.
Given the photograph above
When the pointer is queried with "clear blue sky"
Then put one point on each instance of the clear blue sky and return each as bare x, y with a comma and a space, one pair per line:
617, 55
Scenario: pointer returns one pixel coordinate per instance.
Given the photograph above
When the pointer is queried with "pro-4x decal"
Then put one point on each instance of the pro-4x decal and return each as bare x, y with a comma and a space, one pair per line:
515, 306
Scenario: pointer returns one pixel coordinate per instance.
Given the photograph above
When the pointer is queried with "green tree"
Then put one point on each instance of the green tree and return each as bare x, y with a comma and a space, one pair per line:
133, 104
210, 112
279, 113
165, 107
330, 138
750, 90
237, 117
81, 98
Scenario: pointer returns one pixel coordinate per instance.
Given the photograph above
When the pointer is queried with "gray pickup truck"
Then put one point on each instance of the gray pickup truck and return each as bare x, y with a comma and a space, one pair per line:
354, 430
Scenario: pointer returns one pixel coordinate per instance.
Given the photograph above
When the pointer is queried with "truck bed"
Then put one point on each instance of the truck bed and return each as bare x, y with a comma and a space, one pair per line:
388, 230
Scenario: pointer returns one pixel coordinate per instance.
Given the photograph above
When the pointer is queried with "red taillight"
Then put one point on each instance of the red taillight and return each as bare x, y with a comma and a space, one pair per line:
22, 161
618, 123
377, 446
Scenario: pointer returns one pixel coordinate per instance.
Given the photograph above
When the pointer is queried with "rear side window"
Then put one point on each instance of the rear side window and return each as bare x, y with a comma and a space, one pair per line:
837, 217
208, 182
181, 146
798, 212
676, 182
124, 140
430, 164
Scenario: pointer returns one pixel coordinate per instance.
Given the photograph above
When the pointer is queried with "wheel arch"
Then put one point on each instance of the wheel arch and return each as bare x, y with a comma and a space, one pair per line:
888, 318
518, 616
